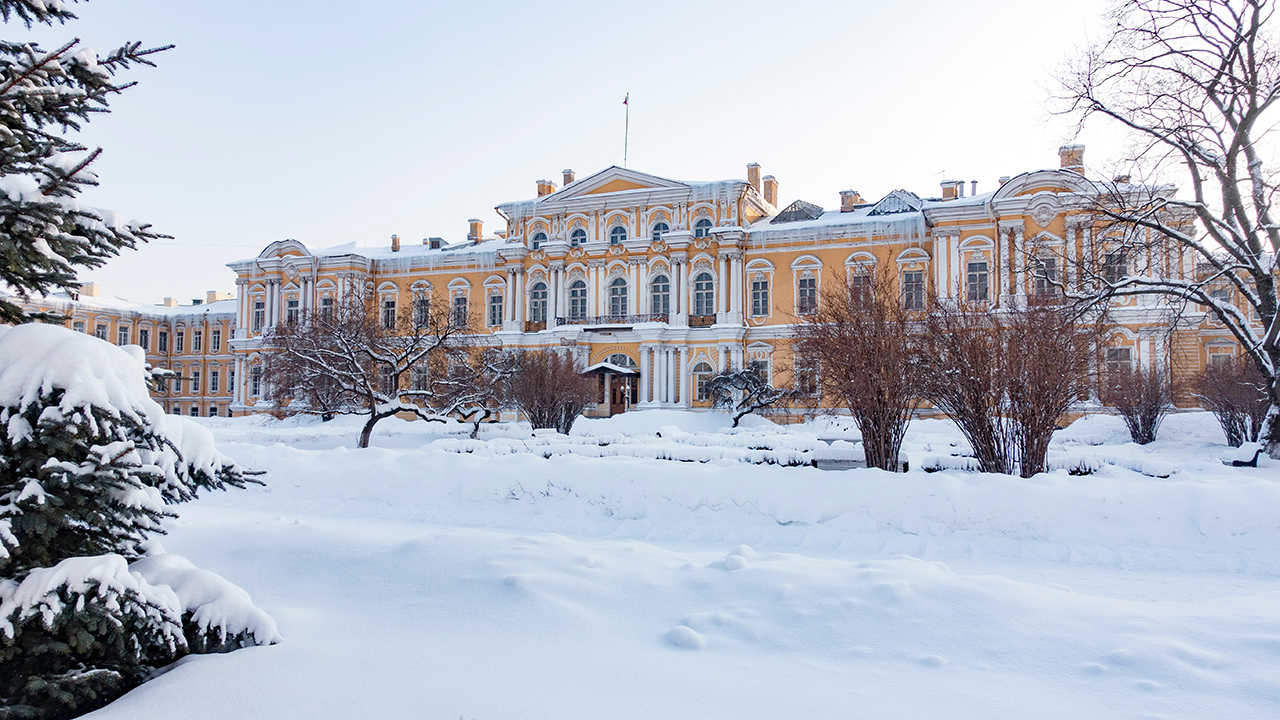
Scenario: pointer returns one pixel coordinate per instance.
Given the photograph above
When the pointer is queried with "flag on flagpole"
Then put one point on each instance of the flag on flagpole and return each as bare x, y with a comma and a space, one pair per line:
627, 100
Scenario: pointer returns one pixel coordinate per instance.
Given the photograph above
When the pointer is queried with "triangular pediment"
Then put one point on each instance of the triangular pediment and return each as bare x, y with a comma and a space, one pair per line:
612, 179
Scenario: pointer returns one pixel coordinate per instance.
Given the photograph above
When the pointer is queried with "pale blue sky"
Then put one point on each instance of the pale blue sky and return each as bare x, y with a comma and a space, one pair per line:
333, 122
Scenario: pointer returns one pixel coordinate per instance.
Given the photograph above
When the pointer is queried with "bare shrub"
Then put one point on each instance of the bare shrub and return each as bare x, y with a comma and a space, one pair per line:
1236, 393
550, 389
862, 340
744, 391
1142, 396
1007, 376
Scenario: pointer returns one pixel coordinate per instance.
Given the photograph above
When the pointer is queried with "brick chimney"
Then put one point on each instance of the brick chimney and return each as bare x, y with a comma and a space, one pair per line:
567, 176
753, 175
211, 296
475, 230
1071, 157
973, 187
771, 190
395, 243
170, 302
434, 243
849, 200
951, 189
90, 289
545, 187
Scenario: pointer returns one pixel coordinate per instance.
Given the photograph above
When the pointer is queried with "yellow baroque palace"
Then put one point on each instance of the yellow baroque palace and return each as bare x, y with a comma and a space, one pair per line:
658, 283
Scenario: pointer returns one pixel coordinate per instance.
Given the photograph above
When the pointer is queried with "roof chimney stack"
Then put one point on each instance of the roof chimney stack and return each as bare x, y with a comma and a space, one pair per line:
475, 230
753, 175
771, 190
1071, 157
1002, 180
568, 176
973, 187
170, 302
849, 200
395, 243
545, 187
950, 189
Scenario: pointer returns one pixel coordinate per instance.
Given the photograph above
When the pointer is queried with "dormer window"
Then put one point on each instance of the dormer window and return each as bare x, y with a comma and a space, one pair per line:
578, 237
702, 228
538, 240
617, 235
659, 229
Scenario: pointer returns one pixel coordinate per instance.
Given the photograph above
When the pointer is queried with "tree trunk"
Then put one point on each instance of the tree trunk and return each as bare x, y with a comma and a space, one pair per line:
367, 430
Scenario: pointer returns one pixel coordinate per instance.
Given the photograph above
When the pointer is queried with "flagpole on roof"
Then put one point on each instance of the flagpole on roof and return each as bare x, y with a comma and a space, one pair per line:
626, 133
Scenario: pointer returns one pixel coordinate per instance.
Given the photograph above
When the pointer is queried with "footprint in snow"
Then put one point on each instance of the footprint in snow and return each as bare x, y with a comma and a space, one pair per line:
685, 638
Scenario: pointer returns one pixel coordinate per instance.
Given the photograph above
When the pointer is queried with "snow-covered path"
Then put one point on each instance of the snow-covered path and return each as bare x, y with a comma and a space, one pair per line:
413, 582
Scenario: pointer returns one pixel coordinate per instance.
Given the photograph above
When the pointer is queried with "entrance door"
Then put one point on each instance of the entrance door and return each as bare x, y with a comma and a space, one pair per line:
619, 394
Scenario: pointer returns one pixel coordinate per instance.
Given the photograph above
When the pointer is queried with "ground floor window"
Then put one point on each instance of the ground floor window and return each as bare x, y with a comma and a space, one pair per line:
702, 373
1118, 359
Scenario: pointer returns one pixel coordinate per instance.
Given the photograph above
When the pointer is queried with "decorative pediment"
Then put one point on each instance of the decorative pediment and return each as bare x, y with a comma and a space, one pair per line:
283, 248
1038, 181
612, 179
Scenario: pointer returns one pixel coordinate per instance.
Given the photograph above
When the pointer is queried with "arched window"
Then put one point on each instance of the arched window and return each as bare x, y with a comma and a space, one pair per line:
617, 235
538, 302
704, 296
659, 229
660, 295
621, 360
577, 300
538, 240
702, 228
578, 237
701, 374
618, 297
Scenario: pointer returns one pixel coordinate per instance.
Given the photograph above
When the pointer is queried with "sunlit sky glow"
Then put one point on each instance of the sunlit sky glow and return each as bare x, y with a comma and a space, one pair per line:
330, 122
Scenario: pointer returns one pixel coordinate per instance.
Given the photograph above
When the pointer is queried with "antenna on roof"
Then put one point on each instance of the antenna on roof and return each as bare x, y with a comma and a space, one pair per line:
626, 132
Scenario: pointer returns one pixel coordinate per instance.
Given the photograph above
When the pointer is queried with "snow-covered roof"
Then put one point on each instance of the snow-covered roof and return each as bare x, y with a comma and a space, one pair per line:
383, 251
606, 366
124, 305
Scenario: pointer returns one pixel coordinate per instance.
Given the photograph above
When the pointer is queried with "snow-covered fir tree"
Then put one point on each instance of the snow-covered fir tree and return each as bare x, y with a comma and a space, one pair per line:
89, 467
46, 96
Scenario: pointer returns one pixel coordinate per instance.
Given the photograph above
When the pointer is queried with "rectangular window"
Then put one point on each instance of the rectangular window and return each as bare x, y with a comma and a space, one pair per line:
460, 311
807, 295
1115, 267
860, 286
213, 381
1046, 273
144, 339
976, 282
1118, 359
388, 314
326, 308
806, 377
178, 341
760, 368
231, 379
421, 311
291, 311
213, 411
162, 340
197, 341
122, 335
420, 377
495, 310
101, 332
216, 340
387, 380
759, 297
702, 386
259, 315
195, 382
78, 326
255, 381
194, 411
1219, 360
913, 290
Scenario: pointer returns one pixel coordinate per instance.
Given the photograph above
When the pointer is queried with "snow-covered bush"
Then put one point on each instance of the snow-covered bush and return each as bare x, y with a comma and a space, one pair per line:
89, 465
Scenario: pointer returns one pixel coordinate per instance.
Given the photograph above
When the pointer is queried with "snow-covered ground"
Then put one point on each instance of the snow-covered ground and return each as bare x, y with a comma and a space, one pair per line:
658, 565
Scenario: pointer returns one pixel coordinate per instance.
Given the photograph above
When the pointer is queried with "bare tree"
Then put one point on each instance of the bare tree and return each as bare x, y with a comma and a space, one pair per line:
355, 358
1007, 376
1142, 396
550, 389
1195, 84
863, 341
1236, 393
744, 391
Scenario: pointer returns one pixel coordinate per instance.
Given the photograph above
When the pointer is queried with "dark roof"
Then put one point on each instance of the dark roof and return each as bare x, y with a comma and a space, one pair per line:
798, 210
898, 201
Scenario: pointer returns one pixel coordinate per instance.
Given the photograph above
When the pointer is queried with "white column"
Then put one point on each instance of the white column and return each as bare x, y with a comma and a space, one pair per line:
671, 375
957, 265
658, 385
644, 374
520, 304
643, 272
735, 288
633, 289
677, 294
723, 353
684, 378
722, 287
1019, 262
